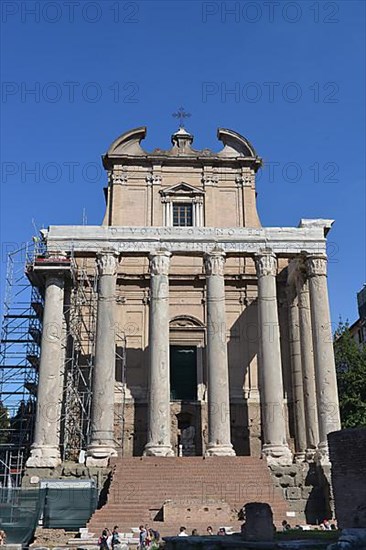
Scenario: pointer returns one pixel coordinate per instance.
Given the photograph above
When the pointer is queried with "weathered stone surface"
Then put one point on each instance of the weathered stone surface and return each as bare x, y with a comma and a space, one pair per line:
219, 443
102, 445
307, 359
349, 476
159, 429
45, 452
296, 368
196, 240
275, 448
293, 493
258, 524
325, 374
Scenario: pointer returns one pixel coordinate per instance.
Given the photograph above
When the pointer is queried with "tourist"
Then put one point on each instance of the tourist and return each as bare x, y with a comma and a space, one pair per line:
285, 525
194, 533
221, 531
115, 540
142, 537
2, 538
182, 532
103, 540
209, 530
325, 525
153, 538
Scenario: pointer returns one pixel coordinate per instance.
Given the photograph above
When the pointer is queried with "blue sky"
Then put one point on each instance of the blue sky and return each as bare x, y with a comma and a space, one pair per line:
290, 76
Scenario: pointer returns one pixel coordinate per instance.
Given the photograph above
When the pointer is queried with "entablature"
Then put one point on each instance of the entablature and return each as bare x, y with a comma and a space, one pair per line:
283, 241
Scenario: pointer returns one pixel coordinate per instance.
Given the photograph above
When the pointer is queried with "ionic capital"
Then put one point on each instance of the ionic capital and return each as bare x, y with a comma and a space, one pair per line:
316, 265
159, 262
107, 263
214, 262
266, 264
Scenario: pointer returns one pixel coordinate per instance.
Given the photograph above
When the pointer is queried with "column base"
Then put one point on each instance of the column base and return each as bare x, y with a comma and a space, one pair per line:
279, 455
44, 456
220, 450
300, 457
154, 449
99, 455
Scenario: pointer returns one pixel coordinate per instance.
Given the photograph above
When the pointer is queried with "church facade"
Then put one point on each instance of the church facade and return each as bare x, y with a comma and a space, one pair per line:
225, 324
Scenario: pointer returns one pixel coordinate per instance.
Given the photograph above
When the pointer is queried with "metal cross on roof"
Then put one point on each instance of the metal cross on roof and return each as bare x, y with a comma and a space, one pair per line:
181, 114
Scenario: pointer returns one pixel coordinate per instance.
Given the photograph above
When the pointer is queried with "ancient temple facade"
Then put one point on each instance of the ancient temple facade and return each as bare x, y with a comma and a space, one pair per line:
224, 324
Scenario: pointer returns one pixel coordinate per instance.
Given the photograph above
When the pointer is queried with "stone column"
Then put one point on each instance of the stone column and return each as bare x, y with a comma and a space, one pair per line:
219, 441
159, 439
45, 452
102, 443
296, 369
325, 372
275, 447
307, 358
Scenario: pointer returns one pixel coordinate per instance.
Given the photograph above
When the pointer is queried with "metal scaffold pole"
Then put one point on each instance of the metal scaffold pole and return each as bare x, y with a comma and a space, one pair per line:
19, 362
80, 319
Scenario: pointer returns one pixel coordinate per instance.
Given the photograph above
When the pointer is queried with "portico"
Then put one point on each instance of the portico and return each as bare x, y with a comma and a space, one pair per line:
280, 244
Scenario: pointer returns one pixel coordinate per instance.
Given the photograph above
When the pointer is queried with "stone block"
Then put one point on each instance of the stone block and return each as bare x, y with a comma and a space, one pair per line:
349, 476
293, 493
287, 481
258, 524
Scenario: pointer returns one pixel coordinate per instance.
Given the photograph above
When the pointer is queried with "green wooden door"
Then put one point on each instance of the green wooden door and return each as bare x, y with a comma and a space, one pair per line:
183, 373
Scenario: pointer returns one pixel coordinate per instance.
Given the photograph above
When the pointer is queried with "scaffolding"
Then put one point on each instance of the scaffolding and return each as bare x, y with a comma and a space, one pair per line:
80, 318
19, 363
20, 348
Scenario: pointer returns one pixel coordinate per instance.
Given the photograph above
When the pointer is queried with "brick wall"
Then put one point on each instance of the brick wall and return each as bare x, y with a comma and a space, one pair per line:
347, 450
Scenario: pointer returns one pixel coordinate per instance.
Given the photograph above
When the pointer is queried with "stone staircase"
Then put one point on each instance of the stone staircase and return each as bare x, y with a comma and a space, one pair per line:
202, 491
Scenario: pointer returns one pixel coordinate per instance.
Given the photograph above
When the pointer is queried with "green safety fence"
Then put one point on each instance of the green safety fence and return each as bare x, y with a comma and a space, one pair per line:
57, 507
68, 508
20, 511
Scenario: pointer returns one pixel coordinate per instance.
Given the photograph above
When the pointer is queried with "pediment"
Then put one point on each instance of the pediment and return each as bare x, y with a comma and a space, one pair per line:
185, 322
182, 188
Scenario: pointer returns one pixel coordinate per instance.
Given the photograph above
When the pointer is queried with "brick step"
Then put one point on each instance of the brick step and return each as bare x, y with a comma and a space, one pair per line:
152, 506
157, 504
213, 477
219, 487
196, 472
139, 486
191, 482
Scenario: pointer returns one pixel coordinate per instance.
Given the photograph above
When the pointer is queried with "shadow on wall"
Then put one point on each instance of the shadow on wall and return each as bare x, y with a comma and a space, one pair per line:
243, 339
318, 503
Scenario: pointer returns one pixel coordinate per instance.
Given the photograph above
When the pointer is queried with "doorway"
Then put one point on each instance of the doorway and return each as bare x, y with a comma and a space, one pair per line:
183, 373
